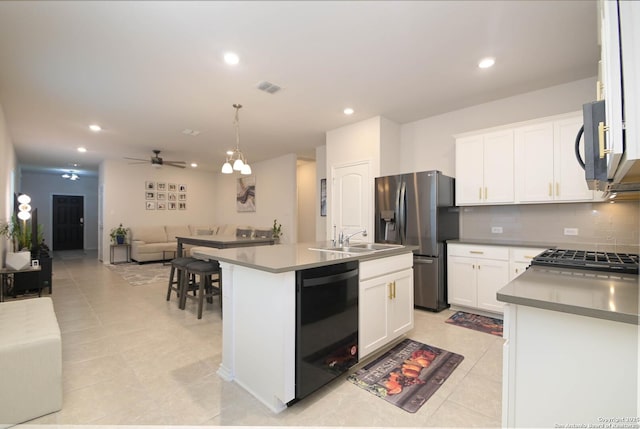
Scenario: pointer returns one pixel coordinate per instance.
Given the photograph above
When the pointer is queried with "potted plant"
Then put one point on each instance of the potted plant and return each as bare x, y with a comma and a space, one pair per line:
277, 230
20, 235
119, 234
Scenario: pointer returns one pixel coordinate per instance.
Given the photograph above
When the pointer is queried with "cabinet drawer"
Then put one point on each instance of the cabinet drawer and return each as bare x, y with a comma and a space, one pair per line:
524, 254
481, 252
378, 267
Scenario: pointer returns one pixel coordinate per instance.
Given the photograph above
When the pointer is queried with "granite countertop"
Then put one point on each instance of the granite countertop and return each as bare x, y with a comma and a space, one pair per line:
606, 247
497, 242
609, 296
281, 258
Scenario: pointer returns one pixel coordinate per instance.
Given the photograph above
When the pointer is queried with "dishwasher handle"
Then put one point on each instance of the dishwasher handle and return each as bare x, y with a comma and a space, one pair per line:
326, 280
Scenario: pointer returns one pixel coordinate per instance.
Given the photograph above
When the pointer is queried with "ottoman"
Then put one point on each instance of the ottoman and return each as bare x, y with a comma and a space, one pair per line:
30, 360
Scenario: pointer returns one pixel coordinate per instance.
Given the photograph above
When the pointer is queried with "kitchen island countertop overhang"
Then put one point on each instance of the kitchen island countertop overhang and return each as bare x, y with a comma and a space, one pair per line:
281, 258
259, 296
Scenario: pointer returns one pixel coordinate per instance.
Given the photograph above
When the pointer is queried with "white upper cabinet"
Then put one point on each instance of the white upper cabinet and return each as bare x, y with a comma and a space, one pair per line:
546, 166
532, 162
484, 169
534, 151
569, 175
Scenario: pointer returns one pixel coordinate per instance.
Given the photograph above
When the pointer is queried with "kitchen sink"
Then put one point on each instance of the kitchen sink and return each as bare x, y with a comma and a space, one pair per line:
376, 246
360, 248
342, 249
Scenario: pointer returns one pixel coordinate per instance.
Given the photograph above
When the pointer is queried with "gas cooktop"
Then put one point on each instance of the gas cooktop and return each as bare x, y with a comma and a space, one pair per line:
588, 260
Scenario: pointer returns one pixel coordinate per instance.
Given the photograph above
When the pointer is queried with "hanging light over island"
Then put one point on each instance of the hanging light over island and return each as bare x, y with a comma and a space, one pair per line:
236, 157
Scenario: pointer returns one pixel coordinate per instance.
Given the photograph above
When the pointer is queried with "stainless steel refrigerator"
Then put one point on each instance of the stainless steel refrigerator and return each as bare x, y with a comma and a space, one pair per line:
418, 209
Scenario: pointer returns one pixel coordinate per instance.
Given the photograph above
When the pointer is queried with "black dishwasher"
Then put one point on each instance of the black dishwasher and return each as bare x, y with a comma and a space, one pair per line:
326, 325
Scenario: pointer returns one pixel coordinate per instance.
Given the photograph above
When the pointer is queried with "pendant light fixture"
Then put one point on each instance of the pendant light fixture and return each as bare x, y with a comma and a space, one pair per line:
235, 157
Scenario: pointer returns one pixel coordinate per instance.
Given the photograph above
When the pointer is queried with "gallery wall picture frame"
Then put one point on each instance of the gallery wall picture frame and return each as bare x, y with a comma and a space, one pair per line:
182, 188
172, 187
162, 196
161, 186
150, 195
323, 197
182, 197
161, 206
172, 196
172, 205
182, 206
246, 194
150, 185
151, 205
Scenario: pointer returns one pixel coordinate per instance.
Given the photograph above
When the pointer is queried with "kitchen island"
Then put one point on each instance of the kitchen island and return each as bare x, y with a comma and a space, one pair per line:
259, 309
571, 350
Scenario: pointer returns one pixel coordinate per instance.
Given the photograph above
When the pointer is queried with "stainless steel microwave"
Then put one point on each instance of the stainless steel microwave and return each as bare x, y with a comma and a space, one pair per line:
595, 162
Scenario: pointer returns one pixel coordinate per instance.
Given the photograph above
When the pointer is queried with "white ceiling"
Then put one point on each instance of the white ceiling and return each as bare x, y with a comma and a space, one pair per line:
145, 70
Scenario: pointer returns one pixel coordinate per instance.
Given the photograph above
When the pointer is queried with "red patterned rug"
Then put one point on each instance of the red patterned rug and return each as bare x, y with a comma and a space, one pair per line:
408, 374
476, 322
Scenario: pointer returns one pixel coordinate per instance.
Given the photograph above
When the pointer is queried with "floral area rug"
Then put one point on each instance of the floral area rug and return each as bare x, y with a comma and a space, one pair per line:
137, 275
476, 322
408, 374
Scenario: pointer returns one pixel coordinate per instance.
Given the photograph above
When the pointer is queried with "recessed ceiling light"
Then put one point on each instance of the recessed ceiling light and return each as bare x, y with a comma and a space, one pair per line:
82, 149
194, 165
348, 111
95, 128
231, 58
485, 63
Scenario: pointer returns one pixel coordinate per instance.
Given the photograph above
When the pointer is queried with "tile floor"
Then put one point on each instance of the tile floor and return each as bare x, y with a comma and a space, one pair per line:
132, 358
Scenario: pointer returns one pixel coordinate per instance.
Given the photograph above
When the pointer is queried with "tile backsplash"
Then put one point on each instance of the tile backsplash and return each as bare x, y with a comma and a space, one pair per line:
601, 226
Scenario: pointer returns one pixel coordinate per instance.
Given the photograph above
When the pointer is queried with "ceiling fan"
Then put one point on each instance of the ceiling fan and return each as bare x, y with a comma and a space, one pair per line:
158, 162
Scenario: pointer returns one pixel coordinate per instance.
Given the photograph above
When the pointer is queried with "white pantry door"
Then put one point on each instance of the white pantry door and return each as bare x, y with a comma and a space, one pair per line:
352, 200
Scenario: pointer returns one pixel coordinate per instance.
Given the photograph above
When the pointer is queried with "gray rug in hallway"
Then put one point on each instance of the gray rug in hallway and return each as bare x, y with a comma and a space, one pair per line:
138, 275
408, 374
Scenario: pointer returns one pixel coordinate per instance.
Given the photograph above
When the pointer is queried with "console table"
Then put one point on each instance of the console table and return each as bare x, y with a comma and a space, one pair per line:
6, 273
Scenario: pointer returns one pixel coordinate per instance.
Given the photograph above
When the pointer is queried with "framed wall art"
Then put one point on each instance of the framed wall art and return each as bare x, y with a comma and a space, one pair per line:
246, 194
323, 197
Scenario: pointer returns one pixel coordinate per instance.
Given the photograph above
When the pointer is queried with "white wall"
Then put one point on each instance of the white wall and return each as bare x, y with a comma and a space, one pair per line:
42, 186
428, 144
390, 147
275, 197
124, 196
346, 145
8, 168
308, 201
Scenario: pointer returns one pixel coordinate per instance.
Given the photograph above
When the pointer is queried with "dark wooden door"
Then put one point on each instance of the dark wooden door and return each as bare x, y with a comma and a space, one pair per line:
68, 222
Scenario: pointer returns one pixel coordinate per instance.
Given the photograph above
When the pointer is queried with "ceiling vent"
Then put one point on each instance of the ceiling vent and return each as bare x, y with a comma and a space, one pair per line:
269, 87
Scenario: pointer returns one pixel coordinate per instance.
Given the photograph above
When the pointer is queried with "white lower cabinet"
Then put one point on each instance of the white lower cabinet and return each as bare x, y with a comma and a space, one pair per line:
473, 282
475, 273
567, 370
385, 301
520, 259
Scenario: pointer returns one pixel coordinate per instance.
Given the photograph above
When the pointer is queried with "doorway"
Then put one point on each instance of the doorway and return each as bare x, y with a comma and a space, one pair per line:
68, 222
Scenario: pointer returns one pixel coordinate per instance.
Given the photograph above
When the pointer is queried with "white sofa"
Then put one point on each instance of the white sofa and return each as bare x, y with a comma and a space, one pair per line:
30, 360
149, 242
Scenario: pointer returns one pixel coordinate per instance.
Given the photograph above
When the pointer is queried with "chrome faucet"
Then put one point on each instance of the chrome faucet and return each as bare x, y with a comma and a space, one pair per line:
345, 239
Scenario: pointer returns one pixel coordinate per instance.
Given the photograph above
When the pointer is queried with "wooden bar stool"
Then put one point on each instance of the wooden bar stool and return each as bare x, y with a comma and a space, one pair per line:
178, 268
205, 270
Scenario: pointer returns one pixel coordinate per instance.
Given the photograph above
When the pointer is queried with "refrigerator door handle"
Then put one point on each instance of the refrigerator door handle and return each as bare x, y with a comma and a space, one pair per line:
418, 260
403, 213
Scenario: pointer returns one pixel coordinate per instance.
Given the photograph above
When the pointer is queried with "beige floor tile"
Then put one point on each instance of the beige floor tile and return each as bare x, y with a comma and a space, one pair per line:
132, 358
